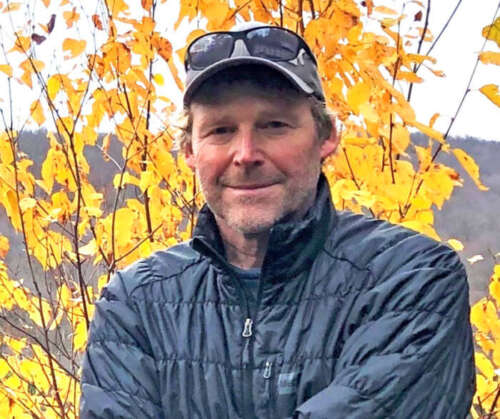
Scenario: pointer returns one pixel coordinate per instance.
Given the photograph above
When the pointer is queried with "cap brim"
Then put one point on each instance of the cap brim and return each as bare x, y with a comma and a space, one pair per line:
208, 72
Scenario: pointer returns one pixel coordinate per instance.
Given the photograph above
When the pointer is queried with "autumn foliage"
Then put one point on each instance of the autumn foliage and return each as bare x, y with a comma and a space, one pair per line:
108, 73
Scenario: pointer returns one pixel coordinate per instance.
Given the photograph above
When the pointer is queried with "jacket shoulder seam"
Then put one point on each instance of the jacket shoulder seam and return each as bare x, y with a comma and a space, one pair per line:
155, 276
375, 277
346, 259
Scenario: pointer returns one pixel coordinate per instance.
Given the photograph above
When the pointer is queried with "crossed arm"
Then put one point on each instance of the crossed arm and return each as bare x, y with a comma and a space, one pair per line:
410, 355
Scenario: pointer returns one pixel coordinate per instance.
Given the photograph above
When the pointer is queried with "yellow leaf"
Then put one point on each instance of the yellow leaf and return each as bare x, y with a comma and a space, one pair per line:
36, 315
164, 163
430, 132
358, 95
484, 365
61, 206
97, 22
6, 154
80, 336
16, 345
175, 74
105, 145
385, 10
147, 179
22, 44
71, 17
456, 244
53, 86
492, 32
491, 92
4, 368
479, 315
159, 80
74, 46
163, 47
127, 178
400, 138
437, 73
359, 141
7, 69
6, 403
420, 58
147, 4
118, 7
12, 7
490, 57
12, 209
46, 3
4, 246
470, 167
433, 119
27, 203
484, 341
495, 291
408, 76
37, 112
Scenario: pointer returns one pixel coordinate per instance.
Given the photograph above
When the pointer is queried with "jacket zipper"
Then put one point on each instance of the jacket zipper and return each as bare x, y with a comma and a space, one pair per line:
246, 382
247, 333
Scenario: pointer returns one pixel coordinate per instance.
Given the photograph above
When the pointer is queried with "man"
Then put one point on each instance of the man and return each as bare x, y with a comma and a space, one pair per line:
279, 306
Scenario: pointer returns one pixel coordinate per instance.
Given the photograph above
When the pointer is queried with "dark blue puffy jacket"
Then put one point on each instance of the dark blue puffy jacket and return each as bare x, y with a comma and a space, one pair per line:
356, 318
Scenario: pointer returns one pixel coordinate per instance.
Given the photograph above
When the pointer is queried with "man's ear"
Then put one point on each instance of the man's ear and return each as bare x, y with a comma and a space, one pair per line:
330, 144
189, 156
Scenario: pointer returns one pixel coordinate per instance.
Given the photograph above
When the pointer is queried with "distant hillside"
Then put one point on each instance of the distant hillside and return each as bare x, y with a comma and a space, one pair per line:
471, 216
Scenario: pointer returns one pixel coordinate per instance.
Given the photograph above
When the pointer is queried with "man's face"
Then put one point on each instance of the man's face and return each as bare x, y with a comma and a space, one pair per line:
257, 158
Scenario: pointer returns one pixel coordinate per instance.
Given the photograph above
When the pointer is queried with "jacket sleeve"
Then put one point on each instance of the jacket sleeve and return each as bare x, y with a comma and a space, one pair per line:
409, 350
119, 371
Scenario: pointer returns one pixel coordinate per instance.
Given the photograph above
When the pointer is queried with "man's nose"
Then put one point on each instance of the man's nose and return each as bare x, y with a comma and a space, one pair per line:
247, 151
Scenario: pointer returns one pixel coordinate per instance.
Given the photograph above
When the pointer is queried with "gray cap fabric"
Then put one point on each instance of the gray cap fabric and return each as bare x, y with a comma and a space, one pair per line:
301, 71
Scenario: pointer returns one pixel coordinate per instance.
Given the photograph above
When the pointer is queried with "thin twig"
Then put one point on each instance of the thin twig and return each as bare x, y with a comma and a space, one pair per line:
453, 119
353, 176
420, 43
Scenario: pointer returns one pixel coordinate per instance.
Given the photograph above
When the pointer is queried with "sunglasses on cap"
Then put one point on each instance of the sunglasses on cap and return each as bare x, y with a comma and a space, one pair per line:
268, 42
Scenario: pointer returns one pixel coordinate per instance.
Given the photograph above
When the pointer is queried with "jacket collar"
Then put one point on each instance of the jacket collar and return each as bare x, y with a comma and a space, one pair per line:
292, 246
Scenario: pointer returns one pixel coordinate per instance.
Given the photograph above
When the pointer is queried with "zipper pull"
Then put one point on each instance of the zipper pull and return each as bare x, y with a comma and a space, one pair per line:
247, 330
267, 370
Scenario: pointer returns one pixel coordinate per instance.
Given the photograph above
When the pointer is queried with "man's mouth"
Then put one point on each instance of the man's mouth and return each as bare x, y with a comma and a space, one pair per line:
250, 186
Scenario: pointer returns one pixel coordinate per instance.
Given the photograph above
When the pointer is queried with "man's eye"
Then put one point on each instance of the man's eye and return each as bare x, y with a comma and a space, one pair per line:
275, 124
221, 130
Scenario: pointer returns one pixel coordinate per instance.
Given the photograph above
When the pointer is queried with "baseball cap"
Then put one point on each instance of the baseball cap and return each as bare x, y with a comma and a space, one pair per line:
252, 43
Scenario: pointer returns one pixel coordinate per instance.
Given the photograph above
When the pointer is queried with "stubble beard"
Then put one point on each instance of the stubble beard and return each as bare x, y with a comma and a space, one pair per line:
252, 216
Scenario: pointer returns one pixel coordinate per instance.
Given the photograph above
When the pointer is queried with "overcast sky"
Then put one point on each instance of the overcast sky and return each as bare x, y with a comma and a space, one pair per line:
457, 54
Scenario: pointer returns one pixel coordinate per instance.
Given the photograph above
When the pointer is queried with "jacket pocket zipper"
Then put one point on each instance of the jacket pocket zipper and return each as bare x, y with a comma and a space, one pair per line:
267, 375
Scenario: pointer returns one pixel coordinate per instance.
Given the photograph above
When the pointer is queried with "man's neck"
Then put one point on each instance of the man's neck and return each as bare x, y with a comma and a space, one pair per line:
243, 250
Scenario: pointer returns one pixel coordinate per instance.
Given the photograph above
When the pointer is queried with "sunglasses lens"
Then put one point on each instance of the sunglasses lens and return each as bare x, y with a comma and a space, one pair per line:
273, 43
209, 49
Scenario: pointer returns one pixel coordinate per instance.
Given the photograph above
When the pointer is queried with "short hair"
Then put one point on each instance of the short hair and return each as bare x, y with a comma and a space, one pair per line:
269, 81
